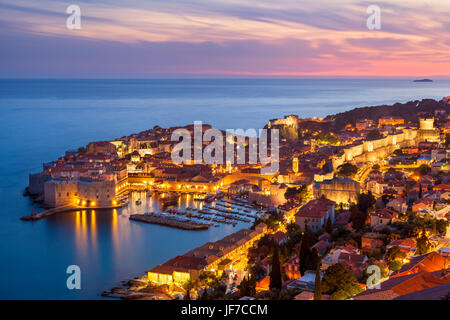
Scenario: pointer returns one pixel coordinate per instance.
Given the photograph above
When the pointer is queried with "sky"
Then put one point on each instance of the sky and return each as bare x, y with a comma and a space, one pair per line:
235, 38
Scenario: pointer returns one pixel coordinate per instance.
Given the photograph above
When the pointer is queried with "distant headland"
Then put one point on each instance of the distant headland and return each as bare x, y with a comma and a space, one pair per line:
423, 80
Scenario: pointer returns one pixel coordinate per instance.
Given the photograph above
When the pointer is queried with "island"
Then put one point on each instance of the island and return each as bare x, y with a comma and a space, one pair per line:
423, 80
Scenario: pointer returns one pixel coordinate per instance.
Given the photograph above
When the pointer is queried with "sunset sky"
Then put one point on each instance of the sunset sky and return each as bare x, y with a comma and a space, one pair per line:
138, 38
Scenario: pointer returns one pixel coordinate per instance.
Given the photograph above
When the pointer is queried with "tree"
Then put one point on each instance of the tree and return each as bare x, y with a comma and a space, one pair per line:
275, 274
360, 212
188, 286
339, 282
442, 225
247, 287
395, 265
307, 258
327, 138
299, 194
204, 295
258, 271
393, 254
347, 170
423, 244
318, 285
329, 225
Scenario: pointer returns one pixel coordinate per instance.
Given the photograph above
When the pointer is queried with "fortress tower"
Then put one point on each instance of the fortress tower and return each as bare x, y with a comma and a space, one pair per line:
426, 123
427, 131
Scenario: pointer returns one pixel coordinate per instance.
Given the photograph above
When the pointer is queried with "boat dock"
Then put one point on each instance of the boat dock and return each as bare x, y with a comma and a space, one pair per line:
62, 209
166, 221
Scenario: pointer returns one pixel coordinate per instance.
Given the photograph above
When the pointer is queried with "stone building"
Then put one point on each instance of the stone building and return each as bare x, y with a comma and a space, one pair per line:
315, 214
79, 192
339, 190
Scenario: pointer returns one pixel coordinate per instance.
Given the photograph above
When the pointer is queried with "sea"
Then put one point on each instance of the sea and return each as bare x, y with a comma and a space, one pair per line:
42, 118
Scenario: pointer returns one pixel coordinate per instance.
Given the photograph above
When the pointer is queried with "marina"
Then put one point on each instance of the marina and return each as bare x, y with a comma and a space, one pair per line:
190, 213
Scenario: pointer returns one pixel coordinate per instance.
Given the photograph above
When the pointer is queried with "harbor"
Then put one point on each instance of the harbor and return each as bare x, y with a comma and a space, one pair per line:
190, 213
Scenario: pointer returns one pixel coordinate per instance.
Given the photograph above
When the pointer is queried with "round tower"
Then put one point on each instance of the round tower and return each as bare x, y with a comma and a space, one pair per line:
426, 123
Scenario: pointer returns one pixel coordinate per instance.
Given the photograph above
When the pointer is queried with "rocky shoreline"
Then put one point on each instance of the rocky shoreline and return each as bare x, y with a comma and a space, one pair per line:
140, 289
168, 222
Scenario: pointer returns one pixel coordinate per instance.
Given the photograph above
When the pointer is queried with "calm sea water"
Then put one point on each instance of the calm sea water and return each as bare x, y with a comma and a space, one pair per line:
40, 119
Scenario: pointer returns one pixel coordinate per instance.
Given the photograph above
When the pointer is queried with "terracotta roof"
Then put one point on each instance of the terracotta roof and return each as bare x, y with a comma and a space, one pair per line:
430, 262
384, 213
315, 208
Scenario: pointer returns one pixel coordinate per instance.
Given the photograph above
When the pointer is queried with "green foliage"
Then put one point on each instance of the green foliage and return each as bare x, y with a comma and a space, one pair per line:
423, 245
395, 265
394, 254
275, 274
360, 212
318, 285
274, 219
258, 271
383, 271
327, 138
329, 225
339, 282
299, 194
442, 225
347, 170
308, 258
247, 287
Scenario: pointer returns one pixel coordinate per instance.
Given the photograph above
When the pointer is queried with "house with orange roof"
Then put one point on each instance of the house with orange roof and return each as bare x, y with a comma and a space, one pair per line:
315, 214
424, 204
263, 285
407, 245
380, 218
292, 268
370, 241
398, 204
394, 288
426, 263
442, 187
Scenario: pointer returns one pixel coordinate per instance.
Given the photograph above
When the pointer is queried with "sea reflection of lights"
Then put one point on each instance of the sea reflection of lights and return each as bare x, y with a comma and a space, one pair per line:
94, 231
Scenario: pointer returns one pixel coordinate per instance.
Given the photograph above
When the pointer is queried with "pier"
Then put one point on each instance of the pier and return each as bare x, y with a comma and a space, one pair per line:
62, 209
186, 225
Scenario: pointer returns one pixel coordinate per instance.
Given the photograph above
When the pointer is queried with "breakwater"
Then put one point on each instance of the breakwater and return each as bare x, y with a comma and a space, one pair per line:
186, 225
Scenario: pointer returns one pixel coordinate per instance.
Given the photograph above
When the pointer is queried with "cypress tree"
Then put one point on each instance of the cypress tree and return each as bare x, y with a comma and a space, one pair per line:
305, 251
318, 285
329, 225
275, 275
204, 295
